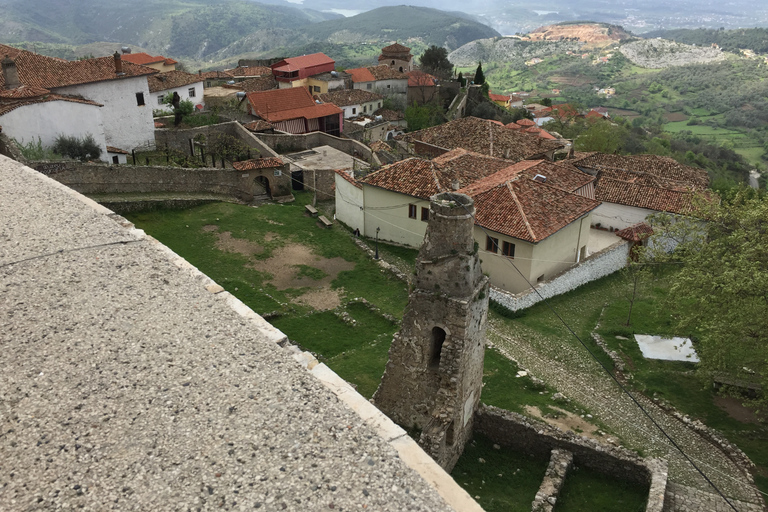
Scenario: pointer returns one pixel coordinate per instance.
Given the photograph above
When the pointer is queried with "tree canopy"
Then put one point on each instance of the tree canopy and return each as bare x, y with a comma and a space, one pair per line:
479, 76
721, 290
435, 61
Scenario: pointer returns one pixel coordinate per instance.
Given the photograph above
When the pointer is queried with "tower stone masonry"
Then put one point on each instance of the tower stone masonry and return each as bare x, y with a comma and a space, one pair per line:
434, 375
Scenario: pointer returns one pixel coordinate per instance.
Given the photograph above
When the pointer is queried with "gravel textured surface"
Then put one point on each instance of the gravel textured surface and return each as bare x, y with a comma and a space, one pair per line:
125, 385
575, 374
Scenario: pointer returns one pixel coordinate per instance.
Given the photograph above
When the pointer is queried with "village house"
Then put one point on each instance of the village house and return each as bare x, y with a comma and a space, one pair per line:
294, 111
484, 137
422, 87
105, 97
380, 79
295, 71
242, 73
160, 63
353, 102
215, 78
633, 187
189, 87
535, 211
397, 57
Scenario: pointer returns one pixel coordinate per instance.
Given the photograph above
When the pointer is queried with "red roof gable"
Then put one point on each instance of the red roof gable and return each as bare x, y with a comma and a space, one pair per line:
636, 232
361, 75
283, 104
498, 97
305, 61
418, 78
143, 58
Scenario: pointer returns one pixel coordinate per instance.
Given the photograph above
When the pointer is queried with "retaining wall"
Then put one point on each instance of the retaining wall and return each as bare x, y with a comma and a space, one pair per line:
285, 142
601, 264
179, 139
514, 431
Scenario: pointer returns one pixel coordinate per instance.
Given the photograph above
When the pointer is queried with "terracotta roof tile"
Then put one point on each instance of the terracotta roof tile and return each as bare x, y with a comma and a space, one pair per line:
143, 58
395, 48
379, 145
283, 104
113, 149
262, 83
636, 232
346, 97
350, 179
257, 163
475, 135
216, 75
525, 209
361, 75
258, 126
383, 72
418, 78
11, 104
253, 71
49, 73
498, 97
23, 91
305, 61
171, 80
652, 165
390, 115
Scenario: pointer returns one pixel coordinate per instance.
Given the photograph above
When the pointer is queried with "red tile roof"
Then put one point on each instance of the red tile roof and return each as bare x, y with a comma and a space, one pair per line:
513, 126
49, 72
652, 165
305, 61
346, 97
423, 178
476, 134
171, 80
250, 71
216, 75
361, 75
142, 58
262, 83
498, 97
112, 149
651, 197
560, 174
284, 104
526, 122
418, 78
395, 48
258, 126
525, 209
635, 233
11, 104
350, 179
384, 72
23, 91
257, 163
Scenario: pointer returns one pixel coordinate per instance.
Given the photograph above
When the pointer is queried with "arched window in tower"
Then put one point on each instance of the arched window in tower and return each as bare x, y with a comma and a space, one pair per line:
436, 348
393, 63
401, 69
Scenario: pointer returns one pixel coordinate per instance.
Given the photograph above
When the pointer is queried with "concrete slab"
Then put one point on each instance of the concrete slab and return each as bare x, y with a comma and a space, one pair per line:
126, 384
599, 240
325, 157
667, 349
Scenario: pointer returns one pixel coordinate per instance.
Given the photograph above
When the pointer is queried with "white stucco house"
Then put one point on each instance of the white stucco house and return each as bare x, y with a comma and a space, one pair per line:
379, 79
188, 86
105, 97
354, 102
631, 188
515, 218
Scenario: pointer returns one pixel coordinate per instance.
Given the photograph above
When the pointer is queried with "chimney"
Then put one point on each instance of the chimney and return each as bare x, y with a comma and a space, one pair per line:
118, 64
10, 73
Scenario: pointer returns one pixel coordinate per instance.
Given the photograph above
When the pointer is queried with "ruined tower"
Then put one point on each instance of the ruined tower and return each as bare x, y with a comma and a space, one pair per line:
434, 374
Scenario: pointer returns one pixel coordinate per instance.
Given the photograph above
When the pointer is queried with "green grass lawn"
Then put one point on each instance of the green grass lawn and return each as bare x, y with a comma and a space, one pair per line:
588, 490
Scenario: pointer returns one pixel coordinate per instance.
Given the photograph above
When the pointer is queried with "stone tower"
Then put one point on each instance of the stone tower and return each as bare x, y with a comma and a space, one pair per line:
397, 57
434, 375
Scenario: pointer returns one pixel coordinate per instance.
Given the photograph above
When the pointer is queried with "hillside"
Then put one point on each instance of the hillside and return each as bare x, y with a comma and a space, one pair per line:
660, 53
755, 39
596, 33
402, 23
508, 50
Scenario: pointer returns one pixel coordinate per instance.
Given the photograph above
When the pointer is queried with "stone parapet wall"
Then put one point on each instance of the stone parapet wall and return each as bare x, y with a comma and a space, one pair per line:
286, 143
560, 463
322, 181
179, 139
601, 264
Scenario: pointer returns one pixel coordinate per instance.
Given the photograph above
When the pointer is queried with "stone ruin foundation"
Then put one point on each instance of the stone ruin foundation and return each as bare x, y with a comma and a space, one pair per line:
434, 375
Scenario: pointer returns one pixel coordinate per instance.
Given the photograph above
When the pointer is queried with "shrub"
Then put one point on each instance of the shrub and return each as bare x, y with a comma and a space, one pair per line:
77, 148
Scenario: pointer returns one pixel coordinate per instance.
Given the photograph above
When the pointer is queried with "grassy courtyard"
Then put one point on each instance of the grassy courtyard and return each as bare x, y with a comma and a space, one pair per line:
328, 297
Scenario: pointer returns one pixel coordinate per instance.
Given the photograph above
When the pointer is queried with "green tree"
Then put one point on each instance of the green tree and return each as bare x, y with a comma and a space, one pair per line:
479, 76
721, 292
435, 61
602, 136
461, 80
420, 117
79, 149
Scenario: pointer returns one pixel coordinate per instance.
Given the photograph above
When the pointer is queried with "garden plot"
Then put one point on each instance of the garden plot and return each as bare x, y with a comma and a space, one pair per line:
667, 349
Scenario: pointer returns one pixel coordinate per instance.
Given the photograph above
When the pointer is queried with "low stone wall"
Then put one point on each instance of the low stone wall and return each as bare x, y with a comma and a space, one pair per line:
179, 139
125, 207
89, 179
514, 431
601, 264
321, 180
286, 142
560, 463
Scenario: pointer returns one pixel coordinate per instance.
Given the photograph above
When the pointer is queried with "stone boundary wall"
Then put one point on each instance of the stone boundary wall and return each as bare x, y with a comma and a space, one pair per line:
321, 180
525, 435
601, 264
89, 178
560, 463
286, 142
179, 139
124, 207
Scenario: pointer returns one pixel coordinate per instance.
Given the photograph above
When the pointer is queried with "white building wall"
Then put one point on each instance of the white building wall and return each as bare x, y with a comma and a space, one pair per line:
53, 118
126, 124
618, 216
183, 91
349, 200
388, 211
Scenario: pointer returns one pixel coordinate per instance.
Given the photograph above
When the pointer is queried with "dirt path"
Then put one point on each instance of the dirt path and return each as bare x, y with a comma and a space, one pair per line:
573, 372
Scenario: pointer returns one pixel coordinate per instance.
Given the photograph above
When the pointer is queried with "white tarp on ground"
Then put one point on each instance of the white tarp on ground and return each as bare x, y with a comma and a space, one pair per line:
668, 349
